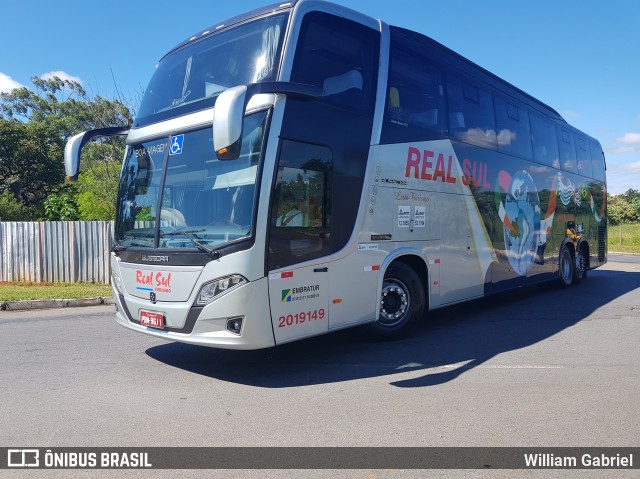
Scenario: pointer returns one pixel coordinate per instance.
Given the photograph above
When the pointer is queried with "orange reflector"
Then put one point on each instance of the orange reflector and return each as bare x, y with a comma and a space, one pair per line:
223, 151
337, 301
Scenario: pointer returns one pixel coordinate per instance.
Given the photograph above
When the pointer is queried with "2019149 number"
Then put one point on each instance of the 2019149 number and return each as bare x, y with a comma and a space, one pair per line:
299, 318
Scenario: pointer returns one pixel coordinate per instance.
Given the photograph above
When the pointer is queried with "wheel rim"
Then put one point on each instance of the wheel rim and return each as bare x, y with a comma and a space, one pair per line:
566, 267
581, 264
395, 302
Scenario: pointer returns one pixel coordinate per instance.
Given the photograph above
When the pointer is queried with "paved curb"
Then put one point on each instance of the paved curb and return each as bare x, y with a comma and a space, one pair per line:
54, 303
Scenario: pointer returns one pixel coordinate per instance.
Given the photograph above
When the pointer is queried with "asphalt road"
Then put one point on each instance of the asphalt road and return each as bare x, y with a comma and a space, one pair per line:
537, 367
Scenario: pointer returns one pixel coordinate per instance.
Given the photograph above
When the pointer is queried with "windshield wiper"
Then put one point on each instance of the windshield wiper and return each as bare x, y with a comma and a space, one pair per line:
182, 232
215, 254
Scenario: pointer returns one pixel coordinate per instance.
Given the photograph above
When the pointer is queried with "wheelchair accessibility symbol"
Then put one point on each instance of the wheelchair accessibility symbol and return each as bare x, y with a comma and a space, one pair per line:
176, 145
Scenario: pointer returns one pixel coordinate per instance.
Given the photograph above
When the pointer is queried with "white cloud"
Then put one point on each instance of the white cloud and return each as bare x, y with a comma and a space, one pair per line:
628, 143
630, 139
60, 74
623, 178
7, 83
620, 150
633, 167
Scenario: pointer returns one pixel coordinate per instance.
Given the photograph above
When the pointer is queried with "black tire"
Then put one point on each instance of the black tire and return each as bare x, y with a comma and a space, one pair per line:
582, 261
402, 302
566, 267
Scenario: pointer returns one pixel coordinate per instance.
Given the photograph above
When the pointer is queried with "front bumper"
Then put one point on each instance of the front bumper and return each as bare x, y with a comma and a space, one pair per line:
207, 325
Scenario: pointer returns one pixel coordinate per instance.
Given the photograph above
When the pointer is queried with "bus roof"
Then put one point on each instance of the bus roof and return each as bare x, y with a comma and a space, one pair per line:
458, 61
238, 19
444, 53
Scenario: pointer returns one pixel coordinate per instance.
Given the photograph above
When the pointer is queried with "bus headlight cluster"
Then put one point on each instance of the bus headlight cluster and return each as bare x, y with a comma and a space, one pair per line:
116, 280
218, 287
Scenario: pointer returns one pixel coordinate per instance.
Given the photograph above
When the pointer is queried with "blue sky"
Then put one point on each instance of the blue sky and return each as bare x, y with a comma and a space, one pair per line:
581, 57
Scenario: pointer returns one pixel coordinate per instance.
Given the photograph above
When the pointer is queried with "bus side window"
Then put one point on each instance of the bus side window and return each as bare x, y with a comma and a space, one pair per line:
597, 160
583, 157
545, 141
472, 103
514, 134
339, 56
568, 160
301, 210
415, 108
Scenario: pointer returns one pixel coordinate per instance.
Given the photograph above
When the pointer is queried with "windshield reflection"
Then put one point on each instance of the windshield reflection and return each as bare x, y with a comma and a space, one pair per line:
183, 79
196, 200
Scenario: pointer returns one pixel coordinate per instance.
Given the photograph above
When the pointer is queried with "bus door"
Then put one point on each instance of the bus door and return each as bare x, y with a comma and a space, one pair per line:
320, 169
299, 241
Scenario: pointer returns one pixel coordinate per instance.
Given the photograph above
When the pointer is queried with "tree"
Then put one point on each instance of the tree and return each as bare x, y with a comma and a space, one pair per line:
34, 127
633, 197
30, 165
620, 210
61, 206
13, 210
98, 188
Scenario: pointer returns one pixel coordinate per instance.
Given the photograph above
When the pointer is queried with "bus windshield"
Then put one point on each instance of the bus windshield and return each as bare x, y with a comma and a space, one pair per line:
187, 77
175, 193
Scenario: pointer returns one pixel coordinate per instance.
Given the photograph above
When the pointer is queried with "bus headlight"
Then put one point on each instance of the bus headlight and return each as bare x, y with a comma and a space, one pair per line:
116, 279
218, 287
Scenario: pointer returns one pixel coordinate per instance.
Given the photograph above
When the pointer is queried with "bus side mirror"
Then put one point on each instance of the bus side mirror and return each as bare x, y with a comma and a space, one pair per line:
228, 115
72, 156
74, 146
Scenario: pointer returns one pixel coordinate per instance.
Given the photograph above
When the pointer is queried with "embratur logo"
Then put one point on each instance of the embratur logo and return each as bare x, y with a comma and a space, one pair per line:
286, 295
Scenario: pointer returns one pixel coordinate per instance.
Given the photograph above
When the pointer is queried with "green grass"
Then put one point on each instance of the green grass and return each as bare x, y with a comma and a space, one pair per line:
26, 291
630, 238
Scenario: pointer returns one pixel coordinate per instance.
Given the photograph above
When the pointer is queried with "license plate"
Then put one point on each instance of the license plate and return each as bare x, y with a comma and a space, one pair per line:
152, 320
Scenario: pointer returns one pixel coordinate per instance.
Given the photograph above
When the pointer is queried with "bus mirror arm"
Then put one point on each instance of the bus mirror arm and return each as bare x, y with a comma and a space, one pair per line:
73, 148
230, 107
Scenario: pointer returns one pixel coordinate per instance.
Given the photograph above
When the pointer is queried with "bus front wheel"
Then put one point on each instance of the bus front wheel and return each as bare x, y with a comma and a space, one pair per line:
402, 302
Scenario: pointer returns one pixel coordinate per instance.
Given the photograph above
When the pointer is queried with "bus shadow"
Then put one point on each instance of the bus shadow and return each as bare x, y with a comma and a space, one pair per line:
454, 340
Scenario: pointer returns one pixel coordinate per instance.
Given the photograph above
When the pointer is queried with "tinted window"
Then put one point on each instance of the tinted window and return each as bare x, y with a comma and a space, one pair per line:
583, 157
545, 141
189, 78
339, 56
471, 117
514, 135
567, 150
203, 198
415, 108
301, 208
597, 160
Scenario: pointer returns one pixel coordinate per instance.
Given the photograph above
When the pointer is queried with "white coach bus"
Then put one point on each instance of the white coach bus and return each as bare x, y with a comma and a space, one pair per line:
304, 168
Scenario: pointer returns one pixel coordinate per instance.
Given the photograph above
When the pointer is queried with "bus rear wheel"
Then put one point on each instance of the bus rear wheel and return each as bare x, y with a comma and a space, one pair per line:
402, 302
566, 267
581, 266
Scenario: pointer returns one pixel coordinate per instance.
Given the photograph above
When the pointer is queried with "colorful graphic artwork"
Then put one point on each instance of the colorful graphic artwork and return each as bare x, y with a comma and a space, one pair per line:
519, 210
525, 228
